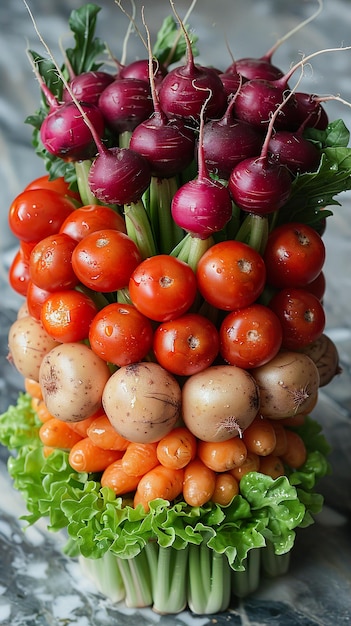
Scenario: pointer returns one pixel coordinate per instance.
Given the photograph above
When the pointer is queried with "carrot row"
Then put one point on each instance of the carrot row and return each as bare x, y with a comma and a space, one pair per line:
177, 464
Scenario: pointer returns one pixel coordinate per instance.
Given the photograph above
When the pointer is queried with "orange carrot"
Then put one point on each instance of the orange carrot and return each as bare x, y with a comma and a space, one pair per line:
251, 464
260, 437
272, 466
139, 458
115, 477
296, 453
221, 456
295, 420
41, 410
160, 482
199, 483
104, 435
82, 427
33, 388
177, 449
58, 434
280, 436
226, 488
47, 451
85, 456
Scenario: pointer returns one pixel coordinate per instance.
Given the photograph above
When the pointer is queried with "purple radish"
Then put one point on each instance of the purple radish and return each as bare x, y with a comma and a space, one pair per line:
293, 150
140, 69
202, 206
88, 86
125, 103
261, 185
262, 68
254, 69
64, 132
184, 90
228, 141
309, 110
231, 83
257, 100
167, 144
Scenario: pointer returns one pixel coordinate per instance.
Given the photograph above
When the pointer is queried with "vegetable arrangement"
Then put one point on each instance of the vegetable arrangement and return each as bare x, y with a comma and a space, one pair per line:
171, 337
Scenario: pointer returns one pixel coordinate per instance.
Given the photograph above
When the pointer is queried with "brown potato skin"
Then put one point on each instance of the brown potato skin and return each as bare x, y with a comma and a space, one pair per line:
288, 385
219, 402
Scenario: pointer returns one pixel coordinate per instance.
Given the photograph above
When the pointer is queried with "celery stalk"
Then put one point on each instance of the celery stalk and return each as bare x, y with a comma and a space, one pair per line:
170, 589
105, 574
274, 564
247, 581
137, 580
209, 580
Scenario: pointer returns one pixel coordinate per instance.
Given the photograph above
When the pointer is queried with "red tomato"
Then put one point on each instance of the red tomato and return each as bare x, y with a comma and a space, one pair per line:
56, 184
66, 315
35, 299
294, 255
250, 337
231, 275
89, 218
162, 287
120, 334
301, 316
38, 213
317, 286
187, 344
19, 273
50, 265
105, 259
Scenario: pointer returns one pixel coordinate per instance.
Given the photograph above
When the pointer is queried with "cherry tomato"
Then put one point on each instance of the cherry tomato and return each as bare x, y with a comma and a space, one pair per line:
56, 184
301, 316
38, 213
67, 315
294, 255
50, 265
105, 259
35, 299
186, 345
317, 286
162, 287
120, 334
231, 275
90, 218
250, 337
19, 273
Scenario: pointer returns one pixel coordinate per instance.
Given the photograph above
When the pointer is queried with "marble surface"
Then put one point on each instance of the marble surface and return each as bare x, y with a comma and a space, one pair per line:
38, 585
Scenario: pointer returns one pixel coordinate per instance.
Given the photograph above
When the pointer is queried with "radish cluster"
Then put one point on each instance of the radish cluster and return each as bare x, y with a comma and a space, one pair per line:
190, 155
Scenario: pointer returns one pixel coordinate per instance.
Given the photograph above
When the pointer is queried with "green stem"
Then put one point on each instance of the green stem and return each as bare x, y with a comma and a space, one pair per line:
254, 231
197, 248
170, 590
246, 581
124, 139
168, 233
105, 574
82, 171
137, 580
209, 580
274, 564
139, 228
181, 250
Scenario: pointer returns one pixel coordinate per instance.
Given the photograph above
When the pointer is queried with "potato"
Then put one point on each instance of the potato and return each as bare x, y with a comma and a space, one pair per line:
219, 402
288, 385
324, 354
72, 379
28, 344
142, 402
